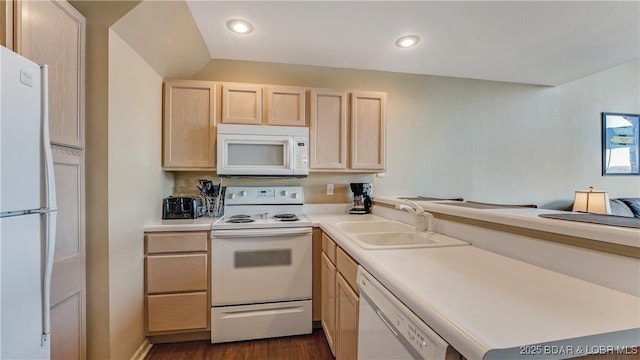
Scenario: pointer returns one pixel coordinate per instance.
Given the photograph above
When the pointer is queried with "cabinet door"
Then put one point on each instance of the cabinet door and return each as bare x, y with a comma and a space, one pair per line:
6, 24
316, 295
68, 294
241, 104
189, 133
328, 129
286, 106
346, 336
368, 121
328, 300
53, 33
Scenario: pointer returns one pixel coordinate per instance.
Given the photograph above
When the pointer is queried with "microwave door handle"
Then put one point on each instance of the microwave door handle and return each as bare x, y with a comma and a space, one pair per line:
289, 154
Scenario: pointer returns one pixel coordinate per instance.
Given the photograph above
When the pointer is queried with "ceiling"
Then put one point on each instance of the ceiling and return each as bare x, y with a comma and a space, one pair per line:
534, 42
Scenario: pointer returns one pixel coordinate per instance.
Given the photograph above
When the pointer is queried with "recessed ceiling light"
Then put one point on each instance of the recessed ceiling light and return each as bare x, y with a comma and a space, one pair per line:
239, 26
407, 41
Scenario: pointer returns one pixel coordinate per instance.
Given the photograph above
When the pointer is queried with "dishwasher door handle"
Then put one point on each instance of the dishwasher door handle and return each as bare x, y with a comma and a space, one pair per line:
386, 322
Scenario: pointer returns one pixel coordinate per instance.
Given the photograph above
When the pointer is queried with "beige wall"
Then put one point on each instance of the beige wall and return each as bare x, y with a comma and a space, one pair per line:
481, 140
165, 35
100, 15
136, 180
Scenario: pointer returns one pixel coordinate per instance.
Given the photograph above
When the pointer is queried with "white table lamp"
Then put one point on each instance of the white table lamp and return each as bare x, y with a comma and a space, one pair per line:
592, 201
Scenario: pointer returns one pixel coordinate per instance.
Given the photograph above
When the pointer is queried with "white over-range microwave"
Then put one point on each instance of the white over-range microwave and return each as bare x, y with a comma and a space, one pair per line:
255, 150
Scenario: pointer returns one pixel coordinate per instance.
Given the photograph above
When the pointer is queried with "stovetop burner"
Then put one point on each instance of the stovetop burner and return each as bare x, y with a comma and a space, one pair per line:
286, 217
240, 219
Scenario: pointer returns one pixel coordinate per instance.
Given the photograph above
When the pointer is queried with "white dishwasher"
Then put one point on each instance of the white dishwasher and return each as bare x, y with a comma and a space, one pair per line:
387, 329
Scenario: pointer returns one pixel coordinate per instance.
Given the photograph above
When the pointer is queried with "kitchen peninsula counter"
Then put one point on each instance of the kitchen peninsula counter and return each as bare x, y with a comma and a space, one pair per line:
528, 218
489, 306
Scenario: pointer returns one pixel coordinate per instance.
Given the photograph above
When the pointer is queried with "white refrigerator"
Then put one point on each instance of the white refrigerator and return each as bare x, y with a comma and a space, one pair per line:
27, 209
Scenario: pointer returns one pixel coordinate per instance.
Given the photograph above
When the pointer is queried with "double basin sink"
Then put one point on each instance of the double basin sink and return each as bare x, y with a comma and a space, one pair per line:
393, 235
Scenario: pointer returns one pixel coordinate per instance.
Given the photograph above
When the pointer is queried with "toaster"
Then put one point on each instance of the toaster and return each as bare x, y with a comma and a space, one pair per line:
180, 208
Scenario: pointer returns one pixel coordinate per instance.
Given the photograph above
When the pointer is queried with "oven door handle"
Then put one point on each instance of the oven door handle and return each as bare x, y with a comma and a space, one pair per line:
260, 232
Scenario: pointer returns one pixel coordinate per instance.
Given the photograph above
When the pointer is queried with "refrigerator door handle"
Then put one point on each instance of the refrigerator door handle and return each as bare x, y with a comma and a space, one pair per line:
49, 176
50, 246
49, 212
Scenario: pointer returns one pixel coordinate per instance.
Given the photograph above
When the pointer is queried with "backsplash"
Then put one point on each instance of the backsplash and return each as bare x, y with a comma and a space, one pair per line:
315, 186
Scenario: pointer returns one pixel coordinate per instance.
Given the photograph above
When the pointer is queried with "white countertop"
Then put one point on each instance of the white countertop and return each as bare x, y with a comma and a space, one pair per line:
528, 218
199, 224
489, 306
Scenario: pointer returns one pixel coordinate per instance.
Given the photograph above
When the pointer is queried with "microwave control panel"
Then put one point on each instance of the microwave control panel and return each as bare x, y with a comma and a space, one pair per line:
301, 154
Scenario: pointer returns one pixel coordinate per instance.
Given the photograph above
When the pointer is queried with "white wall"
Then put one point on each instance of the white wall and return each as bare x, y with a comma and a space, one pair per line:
500, 142
136, 181
481, 140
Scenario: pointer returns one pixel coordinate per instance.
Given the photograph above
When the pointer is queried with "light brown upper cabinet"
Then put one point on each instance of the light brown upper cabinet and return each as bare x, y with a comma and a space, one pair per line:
368, 130
189, 125
328, 129
286, 106
241, 104
53, 33
335, 138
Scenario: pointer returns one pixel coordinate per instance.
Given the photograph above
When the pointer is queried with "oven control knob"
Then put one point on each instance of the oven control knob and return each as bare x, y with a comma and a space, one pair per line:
285, 193
243, 193
296, 195
232, 195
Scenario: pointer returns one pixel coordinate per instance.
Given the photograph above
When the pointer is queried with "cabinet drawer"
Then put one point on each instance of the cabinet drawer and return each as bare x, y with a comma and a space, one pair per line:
348, 268
329, 247
174, 312
176, 242
173, 273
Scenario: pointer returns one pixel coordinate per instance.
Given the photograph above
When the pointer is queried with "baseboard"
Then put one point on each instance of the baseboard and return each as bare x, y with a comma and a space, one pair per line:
142, 351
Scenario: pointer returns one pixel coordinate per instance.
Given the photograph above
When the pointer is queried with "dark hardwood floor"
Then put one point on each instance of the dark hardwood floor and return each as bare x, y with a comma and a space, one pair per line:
303, 347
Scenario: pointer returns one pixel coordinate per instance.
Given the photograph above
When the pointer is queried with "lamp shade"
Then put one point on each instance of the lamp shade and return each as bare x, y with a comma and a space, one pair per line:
592, 201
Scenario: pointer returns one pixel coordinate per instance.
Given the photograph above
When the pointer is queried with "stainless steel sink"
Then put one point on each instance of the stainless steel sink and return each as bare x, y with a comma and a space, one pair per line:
361, 227
405, 240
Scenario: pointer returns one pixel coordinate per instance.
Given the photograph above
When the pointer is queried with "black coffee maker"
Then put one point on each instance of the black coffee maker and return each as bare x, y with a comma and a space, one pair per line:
361, 199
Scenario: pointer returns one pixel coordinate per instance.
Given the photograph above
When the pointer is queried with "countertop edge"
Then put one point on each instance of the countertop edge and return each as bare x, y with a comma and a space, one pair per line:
528, 218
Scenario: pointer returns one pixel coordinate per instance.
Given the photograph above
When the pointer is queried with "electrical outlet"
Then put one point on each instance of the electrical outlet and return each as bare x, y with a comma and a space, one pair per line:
329, 189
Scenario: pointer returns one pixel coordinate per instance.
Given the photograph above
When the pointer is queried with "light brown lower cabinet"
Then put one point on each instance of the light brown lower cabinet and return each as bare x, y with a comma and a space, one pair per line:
316, 285
328, 301
339, 300
347, 300
177, 290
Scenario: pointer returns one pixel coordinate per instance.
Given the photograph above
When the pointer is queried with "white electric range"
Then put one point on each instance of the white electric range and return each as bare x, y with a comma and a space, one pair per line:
261, 265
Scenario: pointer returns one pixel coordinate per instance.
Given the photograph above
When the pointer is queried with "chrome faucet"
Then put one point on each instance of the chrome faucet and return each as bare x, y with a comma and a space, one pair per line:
424, 220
